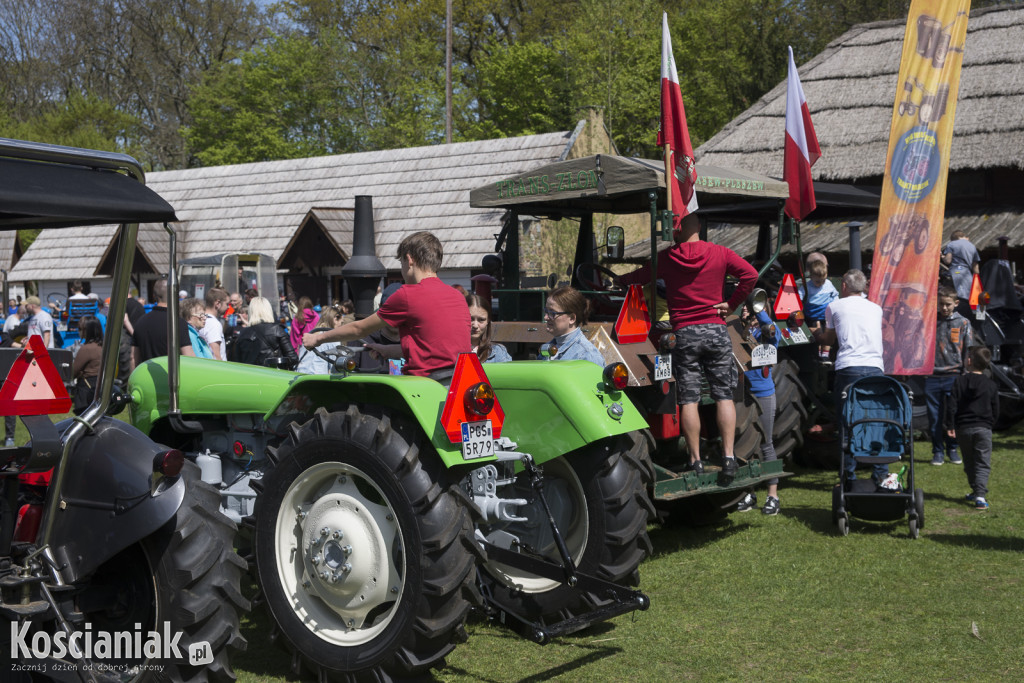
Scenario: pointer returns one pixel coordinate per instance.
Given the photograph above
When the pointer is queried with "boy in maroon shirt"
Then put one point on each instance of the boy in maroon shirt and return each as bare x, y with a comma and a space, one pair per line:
432, 318
694, 272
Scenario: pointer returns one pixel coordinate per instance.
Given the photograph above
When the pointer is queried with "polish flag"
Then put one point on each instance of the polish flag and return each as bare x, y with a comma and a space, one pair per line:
674, 135
801, 150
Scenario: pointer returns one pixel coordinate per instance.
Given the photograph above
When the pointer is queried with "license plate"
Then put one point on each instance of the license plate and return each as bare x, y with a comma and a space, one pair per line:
477, 440
763, 354
979, 314
662, 368
797, 336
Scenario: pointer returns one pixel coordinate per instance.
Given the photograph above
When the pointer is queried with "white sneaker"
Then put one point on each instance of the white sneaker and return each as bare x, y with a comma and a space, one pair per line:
749, 502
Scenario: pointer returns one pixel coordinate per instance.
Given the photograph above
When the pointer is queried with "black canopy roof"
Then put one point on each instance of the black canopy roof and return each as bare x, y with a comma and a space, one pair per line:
58, 193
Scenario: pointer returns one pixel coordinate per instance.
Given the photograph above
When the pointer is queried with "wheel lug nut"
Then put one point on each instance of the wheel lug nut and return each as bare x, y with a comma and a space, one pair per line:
325, 531
347, 550
325, 575
317, 560
394, 589
346, 567
337, 535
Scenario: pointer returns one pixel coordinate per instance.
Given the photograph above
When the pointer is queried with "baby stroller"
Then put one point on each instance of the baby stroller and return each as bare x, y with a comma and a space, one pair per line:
877, 414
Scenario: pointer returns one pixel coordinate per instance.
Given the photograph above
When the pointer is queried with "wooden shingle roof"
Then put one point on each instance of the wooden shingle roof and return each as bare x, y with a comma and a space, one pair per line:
851, 87
258, 207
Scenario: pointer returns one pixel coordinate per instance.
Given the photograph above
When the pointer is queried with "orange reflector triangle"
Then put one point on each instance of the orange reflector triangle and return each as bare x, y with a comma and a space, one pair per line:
975, 292
634, 322
788, 299
33, 386
468, 372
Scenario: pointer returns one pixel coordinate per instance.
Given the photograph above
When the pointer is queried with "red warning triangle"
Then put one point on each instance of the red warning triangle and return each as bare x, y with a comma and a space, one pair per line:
33, 386
634, 322
468, 372
975, 292
788, 299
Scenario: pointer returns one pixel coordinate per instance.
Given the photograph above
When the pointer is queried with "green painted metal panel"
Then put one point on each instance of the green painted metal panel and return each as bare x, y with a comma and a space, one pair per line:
550, 408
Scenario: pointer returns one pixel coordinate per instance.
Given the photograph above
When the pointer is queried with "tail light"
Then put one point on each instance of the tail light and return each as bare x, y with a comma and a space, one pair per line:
470, 399
169, 463
985, 298
479, 400
667, 342
616, 375
796, 319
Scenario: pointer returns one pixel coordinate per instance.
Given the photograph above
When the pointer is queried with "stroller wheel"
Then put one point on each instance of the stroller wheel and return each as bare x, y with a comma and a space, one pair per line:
836, 502
914, 531
919, 507
844, 525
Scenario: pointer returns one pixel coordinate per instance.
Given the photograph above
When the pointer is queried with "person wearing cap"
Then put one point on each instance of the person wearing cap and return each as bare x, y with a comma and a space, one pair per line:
40, 323
432, 318
694, 272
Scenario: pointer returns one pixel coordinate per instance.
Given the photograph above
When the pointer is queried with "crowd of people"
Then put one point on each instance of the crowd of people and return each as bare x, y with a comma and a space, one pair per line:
421, 325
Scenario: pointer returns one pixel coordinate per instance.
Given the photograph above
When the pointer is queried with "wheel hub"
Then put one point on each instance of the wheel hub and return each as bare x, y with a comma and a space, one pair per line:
346, 542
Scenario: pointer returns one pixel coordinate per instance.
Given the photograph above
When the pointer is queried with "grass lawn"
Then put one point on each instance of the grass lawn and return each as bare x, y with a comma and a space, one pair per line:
784, 598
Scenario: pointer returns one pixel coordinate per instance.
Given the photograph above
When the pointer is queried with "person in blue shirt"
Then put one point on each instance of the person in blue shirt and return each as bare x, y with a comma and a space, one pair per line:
762, 387
194, 313
480, 331
565, 313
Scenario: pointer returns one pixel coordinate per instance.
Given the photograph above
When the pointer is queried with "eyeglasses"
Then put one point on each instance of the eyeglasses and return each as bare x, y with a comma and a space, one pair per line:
548, 313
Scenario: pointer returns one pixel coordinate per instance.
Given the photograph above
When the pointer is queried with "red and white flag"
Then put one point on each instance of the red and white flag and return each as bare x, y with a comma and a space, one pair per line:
674, 134
801, 149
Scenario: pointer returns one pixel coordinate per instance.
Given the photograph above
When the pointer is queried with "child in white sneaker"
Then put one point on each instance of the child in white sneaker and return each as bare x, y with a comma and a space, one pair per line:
970, 413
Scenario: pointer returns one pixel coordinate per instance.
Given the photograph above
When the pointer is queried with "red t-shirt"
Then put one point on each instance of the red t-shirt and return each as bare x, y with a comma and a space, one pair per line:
433, 321
694, 273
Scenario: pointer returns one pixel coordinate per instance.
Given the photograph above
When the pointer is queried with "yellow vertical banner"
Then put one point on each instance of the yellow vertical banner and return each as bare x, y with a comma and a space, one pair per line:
905, 269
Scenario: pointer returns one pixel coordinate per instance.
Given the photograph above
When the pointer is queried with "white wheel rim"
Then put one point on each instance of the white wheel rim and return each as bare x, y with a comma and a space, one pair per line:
568, 502
340, 554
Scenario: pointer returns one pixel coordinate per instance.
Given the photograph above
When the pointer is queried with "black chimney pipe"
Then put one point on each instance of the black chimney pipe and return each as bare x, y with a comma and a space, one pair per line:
364, 271
855, 255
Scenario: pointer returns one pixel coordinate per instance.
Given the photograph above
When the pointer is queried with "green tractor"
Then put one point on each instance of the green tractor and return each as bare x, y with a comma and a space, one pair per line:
376, 510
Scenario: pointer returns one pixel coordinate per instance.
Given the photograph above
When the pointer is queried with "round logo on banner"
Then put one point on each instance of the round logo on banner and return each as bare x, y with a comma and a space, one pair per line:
915, 164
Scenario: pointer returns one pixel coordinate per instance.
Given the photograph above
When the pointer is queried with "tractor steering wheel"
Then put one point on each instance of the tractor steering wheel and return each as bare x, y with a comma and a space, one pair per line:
590, 274
57, 302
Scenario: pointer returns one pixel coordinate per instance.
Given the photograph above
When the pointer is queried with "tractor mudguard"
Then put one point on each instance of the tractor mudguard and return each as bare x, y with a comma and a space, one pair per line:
550, 408
108, 502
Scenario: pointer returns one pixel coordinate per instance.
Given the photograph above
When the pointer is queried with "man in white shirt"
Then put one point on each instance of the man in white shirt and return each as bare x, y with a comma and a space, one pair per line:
40, 323
76, 290
216, 301
856, 324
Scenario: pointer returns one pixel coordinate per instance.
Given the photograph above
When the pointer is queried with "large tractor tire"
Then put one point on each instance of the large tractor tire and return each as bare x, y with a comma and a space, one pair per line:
792, 418
749, 432
185, 575
598, 497
362, 550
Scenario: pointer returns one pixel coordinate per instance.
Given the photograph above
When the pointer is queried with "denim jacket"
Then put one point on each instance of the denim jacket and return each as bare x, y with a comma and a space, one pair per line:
572, 346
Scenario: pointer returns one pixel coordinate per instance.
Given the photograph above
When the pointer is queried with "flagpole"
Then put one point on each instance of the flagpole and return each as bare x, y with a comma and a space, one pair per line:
669, 176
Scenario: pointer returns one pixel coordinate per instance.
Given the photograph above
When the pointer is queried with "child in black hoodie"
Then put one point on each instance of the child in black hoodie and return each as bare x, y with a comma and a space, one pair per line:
970, 413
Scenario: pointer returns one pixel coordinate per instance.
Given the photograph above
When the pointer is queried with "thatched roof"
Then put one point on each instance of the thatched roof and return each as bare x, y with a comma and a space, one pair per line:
852, 85
259, 207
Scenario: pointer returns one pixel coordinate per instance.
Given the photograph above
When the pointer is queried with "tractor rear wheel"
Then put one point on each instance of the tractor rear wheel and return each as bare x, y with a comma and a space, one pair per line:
792, 418
749, 433
362, 549
598, 498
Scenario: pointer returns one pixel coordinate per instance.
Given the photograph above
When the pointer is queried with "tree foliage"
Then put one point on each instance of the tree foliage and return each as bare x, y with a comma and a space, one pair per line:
225, 81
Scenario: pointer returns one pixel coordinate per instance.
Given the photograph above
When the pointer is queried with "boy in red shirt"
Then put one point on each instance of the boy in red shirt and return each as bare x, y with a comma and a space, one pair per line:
694, 272
432, 318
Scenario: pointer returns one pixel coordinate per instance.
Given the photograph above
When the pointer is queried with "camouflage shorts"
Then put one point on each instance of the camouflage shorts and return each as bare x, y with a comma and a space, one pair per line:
704, 348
